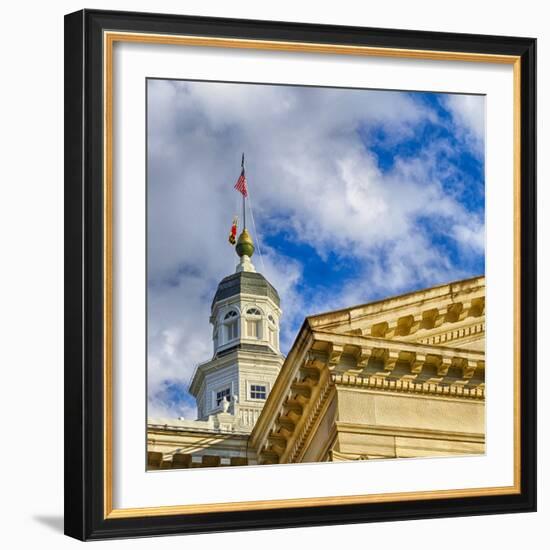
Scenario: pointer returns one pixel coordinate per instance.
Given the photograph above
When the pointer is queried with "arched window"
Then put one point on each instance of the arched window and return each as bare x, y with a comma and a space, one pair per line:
231, 324
254, 323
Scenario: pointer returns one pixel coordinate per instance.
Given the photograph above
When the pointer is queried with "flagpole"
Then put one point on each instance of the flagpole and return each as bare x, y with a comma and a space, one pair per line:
244, 198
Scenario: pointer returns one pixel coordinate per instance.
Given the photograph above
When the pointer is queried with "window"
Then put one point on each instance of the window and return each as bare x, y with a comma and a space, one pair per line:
231, 321
254, 323
221, 395
257, 391
253, 329
232, 330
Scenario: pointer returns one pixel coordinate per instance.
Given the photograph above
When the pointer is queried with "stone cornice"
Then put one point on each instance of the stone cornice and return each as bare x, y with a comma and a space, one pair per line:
314, 412
426, 318
355, 344
279, 391
452, 334
394, 365
296, 397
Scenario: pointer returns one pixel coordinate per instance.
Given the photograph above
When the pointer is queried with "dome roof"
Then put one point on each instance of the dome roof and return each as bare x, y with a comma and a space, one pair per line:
246, 282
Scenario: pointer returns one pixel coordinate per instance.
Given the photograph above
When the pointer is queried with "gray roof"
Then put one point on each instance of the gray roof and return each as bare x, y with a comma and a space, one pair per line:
254, 348
245, 282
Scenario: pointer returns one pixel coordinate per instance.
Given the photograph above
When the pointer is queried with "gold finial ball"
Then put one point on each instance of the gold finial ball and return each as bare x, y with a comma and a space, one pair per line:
245, 245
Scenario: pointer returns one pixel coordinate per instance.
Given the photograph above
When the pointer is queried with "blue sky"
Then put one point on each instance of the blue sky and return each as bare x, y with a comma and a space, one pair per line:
357, 195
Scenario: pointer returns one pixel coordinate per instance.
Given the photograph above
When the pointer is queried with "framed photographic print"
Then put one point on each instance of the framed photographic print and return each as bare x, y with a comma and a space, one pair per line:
300, 274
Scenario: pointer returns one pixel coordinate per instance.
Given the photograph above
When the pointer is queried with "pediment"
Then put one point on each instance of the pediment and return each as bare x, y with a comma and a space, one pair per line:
447, 315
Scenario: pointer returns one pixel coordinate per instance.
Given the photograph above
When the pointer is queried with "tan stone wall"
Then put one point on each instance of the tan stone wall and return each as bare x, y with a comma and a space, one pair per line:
420, 412
386, 425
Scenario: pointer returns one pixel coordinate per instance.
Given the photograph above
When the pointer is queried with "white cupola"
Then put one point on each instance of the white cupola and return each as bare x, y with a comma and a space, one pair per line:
245, 316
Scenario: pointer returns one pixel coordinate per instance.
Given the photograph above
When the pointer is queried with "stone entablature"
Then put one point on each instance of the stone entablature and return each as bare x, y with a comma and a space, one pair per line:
393, 360
370, 363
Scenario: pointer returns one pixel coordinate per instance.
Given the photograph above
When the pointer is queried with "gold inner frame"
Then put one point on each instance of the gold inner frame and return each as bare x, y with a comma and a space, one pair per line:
109, 39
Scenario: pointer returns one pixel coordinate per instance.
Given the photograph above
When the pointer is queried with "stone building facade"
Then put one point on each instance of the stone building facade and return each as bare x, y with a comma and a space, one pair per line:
396, 378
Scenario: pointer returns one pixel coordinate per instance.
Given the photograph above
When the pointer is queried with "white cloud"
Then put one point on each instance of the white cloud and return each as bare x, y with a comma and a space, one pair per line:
310, 175
468, 112
471, 236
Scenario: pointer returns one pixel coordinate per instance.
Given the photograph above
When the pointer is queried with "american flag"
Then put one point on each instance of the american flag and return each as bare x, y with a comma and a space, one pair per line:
240, 186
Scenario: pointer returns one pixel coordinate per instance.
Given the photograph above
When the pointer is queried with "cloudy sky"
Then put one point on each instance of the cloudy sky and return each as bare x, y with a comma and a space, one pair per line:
357, 195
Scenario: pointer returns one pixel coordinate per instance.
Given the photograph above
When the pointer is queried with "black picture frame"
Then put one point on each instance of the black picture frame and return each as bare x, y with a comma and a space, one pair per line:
84, 282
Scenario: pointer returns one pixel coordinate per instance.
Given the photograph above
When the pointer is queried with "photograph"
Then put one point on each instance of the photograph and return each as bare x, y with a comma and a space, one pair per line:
315, 274
289, 249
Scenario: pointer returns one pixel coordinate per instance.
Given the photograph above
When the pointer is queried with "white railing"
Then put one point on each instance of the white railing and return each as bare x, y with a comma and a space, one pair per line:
248, 415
